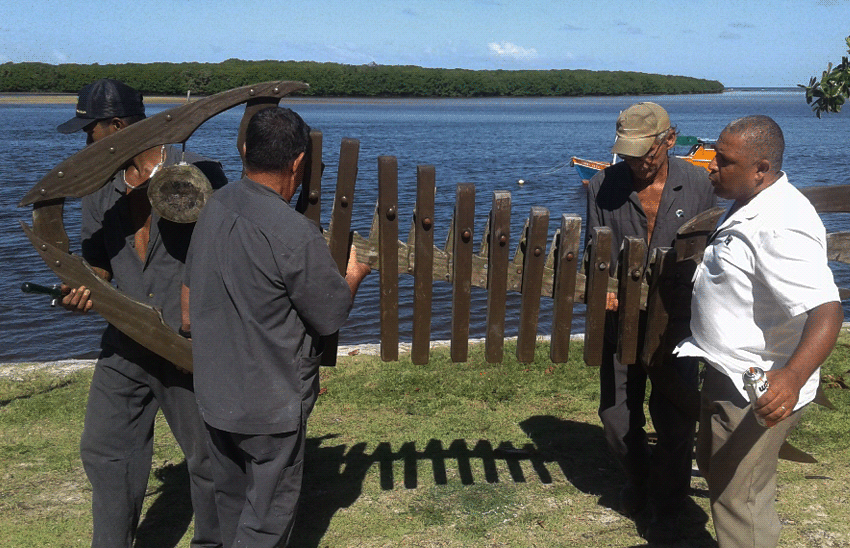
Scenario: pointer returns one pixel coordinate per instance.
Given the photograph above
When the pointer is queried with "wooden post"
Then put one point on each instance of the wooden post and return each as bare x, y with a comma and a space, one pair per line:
630, 276
497, 275
388, 254
532, 283
663, 267
595, 293
563, 290
423, 265
340, 224
310, 199
461, 268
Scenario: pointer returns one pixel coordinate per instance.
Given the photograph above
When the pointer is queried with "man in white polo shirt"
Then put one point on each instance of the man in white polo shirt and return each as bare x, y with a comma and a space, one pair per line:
763, 296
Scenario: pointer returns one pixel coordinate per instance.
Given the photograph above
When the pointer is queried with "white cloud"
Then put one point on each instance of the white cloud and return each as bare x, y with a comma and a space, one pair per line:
512, 51
59, 56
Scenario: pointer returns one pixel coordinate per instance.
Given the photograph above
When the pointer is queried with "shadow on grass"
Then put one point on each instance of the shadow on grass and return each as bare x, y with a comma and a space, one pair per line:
168, 518
334, 475
25, 396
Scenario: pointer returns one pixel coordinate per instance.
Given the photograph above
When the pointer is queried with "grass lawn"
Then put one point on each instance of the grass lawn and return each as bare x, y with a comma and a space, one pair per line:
441, 455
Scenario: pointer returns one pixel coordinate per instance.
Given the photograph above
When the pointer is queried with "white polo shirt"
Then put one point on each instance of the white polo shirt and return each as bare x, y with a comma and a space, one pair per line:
764, 269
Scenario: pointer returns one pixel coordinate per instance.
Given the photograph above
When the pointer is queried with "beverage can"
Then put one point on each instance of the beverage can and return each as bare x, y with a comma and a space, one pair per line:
755, 383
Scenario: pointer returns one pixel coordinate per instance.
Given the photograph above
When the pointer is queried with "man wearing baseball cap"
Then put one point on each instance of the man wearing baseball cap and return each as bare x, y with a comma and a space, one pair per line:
128, 243
104, 100
648, 195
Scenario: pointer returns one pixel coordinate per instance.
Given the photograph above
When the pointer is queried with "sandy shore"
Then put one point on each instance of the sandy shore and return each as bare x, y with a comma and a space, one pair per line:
70, 99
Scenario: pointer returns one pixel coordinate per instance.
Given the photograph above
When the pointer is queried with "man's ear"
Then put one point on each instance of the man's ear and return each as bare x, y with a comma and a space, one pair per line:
763, 170
117, 123
298, 162
671, 139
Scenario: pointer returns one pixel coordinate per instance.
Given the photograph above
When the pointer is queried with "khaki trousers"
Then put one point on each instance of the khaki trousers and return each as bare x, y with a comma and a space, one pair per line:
738, 459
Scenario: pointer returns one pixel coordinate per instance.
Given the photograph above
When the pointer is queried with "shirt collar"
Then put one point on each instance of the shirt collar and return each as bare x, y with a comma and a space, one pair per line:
756, 205
254, 186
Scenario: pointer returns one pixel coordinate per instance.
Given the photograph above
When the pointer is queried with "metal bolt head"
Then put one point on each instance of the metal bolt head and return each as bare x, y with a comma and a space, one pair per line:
603, 266
537, 251
571, 256
467, 235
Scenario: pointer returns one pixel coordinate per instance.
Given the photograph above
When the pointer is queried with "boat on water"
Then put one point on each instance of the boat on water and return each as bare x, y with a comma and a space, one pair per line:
701, 153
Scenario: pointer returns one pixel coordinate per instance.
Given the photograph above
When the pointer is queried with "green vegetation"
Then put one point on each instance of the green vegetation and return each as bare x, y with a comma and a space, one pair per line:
828, 94
335, 80
440, 455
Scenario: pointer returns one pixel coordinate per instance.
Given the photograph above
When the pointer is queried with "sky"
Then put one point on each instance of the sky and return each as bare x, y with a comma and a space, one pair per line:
741, 43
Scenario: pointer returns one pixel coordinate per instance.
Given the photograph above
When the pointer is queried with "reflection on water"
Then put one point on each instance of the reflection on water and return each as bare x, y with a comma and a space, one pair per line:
489, 142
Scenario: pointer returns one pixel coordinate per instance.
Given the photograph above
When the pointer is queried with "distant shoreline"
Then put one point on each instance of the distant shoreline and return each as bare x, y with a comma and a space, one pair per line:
39, 98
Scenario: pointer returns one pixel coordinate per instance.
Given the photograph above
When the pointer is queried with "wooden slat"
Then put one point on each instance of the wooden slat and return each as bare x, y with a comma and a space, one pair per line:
47, 222
567, 243
663, 269
691, 236
829, 199
461, 256
340, 225
423, 266
497, 275
532, 282
838, 247
388, 254
310, 199
596, 294
630, 276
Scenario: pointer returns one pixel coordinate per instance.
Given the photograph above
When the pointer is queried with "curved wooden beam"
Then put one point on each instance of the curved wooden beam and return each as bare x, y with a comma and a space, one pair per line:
92, 167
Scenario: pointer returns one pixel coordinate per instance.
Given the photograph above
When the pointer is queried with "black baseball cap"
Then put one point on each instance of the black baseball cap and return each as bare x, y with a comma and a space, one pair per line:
105, 98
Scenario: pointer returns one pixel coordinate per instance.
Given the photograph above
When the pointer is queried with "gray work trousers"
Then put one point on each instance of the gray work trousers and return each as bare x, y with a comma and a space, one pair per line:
738, 458
257, 485
664, 472
117, 445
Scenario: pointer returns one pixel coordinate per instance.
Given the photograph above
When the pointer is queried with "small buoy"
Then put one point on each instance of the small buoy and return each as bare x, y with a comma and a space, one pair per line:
521, 182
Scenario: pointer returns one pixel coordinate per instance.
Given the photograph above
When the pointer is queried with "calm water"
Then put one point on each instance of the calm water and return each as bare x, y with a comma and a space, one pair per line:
489, 142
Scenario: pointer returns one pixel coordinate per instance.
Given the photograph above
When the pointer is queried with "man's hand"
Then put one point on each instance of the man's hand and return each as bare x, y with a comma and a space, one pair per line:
783, 391
355, 271
611, 302
819, 335
76, 300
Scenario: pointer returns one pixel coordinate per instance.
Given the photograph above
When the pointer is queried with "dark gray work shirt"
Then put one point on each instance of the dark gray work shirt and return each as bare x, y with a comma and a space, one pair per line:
263, 288
108, 242
611, 202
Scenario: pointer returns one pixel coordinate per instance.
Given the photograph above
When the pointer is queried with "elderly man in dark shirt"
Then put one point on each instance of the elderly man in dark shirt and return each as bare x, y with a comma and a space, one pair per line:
127, 242
263, 290
648, 195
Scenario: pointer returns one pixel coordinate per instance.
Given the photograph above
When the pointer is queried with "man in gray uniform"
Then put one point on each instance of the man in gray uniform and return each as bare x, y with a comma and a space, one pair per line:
648, 195
143, 254
264, 289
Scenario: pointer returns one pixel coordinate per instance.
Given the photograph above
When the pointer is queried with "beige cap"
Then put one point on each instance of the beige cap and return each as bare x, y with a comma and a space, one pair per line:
637, 127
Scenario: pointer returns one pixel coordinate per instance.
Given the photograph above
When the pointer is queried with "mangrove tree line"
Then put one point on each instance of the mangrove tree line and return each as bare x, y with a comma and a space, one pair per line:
336, 80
